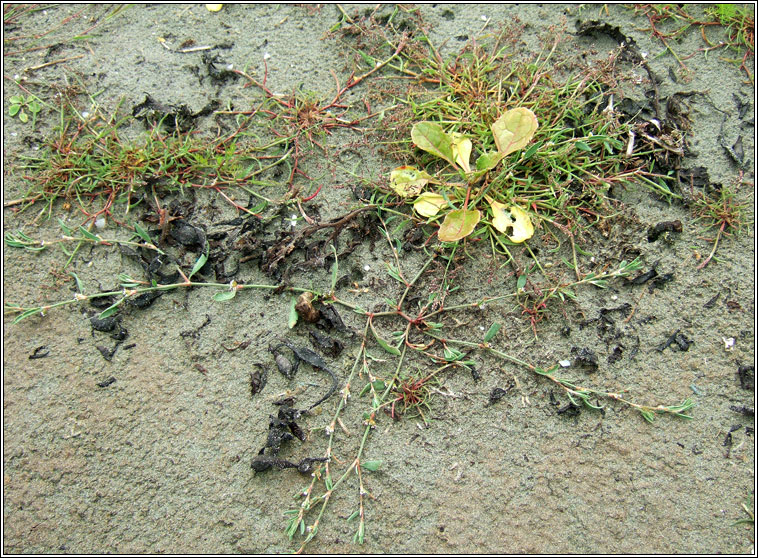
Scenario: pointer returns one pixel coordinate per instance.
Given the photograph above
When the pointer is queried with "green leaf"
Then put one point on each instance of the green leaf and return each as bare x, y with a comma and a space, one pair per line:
491, 332
79, 286
142, 233
514, 129
383, 344
432, 138
27, 313
459, 224
353, 515
532, 150
86, 234
371, 465
34, 107
22, 116
521, 282
225, 295
112, 309
66, 229
488, 160
16, 100
293, 315
395, 274
451, 355
583, 146
198, 265
13, 109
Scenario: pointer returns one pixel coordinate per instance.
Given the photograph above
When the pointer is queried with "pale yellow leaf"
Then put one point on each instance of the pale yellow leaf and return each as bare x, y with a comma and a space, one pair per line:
408, 181
514, 219
429, 204
514, 129
461, 150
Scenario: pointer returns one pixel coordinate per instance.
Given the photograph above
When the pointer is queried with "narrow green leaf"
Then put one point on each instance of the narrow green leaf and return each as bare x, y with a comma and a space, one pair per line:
491, 332
86, 234
198, 265
112, 309
66, 229
383, 344
79, 287
27, 313
583, 146
353, 515
225, 295
293, 315
142, 233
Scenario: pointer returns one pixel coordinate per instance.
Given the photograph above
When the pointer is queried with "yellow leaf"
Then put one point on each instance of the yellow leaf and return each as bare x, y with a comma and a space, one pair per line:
512, 217
213, 7
429, 204
461, 150
514, 129
458, 224
408, 181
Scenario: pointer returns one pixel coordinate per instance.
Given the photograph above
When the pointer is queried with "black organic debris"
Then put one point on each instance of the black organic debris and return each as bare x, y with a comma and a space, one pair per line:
663, 227
304, 353
258, 378
585, 357
498, 393
743, 409
746, 374
172, 117
644, 277
106, 352
281, 429
40, 352
106, 383
217, 75
327, 344
105, 325
677, 337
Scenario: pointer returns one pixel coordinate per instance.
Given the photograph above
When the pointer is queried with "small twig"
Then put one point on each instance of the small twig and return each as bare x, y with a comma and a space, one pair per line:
40, 66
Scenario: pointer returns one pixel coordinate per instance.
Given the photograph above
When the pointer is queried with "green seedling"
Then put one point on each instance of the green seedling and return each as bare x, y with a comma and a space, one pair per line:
21, 108
511, 132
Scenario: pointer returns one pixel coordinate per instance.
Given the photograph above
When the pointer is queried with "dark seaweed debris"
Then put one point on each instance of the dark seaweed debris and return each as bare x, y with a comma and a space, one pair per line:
281, 429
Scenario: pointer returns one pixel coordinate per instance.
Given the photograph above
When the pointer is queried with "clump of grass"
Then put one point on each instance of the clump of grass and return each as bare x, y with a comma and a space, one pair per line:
737, 21
721, 211
89, 162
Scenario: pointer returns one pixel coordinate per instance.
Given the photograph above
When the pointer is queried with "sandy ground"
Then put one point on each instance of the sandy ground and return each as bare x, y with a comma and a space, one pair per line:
159, 460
